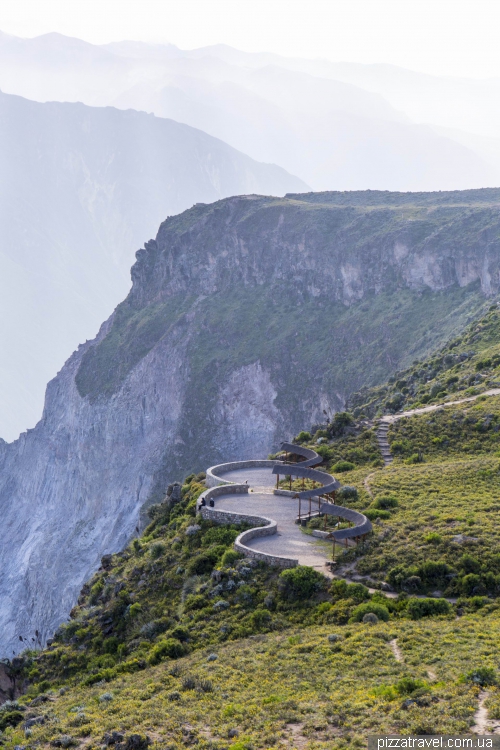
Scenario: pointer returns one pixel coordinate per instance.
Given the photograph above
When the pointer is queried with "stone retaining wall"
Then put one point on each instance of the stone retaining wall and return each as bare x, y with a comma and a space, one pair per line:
262, 526
213, 479
223, 489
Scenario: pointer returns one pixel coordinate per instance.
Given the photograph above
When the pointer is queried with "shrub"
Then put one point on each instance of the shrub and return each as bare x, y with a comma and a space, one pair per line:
398, 446
396, 402
418, 608
415, 458
203, 563
373, 513
342, 466
303, 437
469, 564
299, 583
229, 557
347, 493
408, 685
260, 618
96, 591
481, 676
341, 421
110, 645
483, 364
194, 601
10, 719
219, 535
340, 589
370, 608
180, 633
157, 550
471, 584
324, 451
433, 538
385, 501
433, 572
169, 648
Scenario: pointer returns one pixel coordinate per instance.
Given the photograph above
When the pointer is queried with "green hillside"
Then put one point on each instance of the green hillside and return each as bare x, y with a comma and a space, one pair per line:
179, 641
467, 366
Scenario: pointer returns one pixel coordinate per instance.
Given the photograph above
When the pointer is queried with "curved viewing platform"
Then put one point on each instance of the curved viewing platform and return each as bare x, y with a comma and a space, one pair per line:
247, 492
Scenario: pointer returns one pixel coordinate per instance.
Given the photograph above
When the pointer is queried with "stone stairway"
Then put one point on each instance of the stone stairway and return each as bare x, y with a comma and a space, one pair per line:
382, 429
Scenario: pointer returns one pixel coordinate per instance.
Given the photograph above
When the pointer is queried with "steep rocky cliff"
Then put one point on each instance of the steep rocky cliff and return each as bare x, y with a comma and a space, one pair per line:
248, 319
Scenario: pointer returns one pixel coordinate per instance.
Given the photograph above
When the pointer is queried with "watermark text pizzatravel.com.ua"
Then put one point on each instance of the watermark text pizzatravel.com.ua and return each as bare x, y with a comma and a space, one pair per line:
438, 741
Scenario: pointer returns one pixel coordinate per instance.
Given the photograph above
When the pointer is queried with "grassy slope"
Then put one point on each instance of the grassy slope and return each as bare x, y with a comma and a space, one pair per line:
289, 690
468, 365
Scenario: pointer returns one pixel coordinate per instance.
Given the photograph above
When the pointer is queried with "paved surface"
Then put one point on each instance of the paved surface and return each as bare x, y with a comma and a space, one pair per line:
255, 477
290, 541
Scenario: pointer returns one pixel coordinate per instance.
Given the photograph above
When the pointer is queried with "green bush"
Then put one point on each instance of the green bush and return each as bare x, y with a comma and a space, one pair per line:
373, 513
157, 550
415, 458
10, 719
219, 535
342, 466
408, 685
385, 501
300, 583
434, 572
195, 601
203, 563
303, 437
472, 584
433, 538
340, 589
341, 421
169, 648
481, 676
259, 618
110, 645
469, 564
229, 557
347, 493
370, 607
418, 608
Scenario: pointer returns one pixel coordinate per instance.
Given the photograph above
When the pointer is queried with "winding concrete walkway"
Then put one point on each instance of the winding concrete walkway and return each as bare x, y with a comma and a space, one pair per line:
290, 540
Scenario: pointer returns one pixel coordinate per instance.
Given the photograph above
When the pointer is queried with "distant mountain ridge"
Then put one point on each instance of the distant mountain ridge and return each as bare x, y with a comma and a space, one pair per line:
337, 126
80, 188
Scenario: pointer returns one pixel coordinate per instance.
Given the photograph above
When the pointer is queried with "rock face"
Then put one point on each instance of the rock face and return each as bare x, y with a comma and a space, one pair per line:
248, 320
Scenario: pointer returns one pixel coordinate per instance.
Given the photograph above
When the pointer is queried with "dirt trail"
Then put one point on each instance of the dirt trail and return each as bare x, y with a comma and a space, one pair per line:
388, 419
366, 483
398, 654
482, 724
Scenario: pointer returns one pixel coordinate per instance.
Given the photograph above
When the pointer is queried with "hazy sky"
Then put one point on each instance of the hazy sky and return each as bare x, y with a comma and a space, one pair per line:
452, 37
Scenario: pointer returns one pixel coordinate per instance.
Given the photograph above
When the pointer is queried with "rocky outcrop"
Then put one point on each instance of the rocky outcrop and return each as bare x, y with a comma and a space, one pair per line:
248, 319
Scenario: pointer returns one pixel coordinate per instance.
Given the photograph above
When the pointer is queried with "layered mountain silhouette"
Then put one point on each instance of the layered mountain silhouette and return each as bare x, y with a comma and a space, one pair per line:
80, 188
